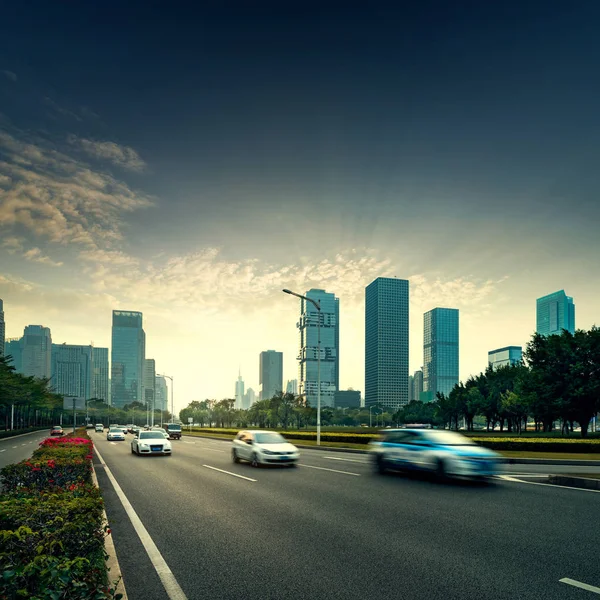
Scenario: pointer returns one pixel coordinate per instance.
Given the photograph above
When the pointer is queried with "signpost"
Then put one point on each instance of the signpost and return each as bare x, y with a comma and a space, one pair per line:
190, 421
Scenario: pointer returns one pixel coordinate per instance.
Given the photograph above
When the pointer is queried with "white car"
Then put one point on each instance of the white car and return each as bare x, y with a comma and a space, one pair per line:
264, 447
151, 442
115, 433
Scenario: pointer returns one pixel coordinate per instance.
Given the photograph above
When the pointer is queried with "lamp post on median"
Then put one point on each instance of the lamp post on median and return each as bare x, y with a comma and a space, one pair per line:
317, 305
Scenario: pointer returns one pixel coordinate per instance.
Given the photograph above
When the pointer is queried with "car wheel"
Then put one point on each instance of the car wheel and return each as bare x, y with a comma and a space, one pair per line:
440, 470
254, 460
234, 457
380, 465
137, 451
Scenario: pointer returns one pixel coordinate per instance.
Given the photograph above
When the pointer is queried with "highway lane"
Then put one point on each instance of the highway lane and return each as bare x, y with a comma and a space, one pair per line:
18, 448
340, 531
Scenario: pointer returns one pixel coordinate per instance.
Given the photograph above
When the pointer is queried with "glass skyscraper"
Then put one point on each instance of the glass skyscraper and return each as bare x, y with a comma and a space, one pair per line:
270, 373
127, 358
330, 347
440, 352
100, 387
36, 352
72, 370
554, 313
511, 355
386, 343
161, 393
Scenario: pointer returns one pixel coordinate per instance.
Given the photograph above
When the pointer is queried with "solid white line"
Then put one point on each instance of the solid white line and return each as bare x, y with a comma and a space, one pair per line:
364, 462
229, 473
552, 485
332, 470
583, 586
173, 589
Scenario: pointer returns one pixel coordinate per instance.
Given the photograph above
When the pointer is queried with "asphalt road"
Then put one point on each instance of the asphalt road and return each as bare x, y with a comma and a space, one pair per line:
332, 529
18, 448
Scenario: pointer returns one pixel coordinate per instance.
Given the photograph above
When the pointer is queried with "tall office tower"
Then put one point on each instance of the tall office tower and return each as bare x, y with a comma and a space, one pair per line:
347, 399
127, 358
239, 392
2, 328
511, 355
554, 313
161, 393
150, 383
417, 385
72, 369
386, 343
411, 386
329, 316
291, 387
440, 351
13, 347
36, 352
100, 379
270, 373
249, 398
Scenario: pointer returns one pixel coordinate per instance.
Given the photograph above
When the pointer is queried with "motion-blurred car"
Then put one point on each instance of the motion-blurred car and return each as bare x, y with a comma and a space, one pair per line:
56, 430
445, 453
136, 430
264, 447
115, 434
99, 427
124, 428
130, 427
151, 442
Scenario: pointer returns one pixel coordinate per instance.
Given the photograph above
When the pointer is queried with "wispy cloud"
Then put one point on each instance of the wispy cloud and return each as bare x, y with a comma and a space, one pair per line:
36, 255
12, 76
121, 156
12, 244
61, 110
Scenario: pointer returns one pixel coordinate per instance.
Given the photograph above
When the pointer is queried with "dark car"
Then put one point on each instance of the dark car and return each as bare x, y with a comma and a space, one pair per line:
57, 430
173, 430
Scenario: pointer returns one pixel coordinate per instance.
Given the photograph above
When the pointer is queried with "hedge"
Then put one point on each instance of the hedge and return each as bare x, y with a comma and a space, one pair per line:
52, 527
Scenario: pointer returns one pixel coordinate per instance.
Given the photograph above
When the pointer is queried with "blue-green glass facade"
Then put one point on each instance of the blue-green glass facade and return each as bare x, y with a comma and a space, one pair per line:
128, 355
386, 343
554, 313
440, 352
72, 370
510, 355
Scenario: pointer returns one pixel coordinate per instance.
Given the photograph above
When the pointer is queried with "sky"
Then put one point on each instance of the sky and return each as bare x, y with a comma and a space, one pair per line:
190, 160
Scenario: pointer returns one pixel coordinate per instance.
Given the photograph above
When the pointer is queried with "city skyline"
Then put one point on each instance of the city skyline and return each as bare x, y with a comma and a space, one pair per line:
267, 167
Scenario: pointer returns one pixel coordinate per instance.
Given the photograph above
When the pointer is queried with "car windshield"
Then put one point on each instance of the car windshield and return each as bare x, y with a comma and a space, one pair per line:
269, 438
174, 427
151, 435
116, 430
448, 438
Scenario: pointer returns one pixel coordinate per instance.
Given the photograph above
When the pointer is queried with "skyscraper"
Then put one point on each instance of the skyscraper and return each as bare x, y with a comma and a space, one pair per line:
36, 351
72, 370
511, 355
249, 398
127, 358
440, 351
417, 385
411, 386
13, 347
386, 343
2, 328
270, 373
330, 347
291, 387
239, 392
554, 313
161, 393
100, 386
150, 383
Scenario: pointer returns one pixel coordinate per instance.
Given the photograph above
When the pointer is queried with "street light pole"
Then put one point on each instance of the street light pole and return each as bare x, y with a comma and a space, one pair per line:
317, 305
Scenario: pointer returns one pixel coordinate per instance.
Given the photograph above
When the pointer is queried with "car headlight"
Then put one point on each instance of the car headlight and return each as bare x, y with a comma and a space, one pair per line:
143, 445
267, 452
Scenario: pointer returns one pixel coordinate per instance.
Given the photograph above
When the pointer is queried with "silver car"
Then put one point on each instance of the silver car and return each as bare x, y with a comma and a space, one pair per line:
262, 448
115, 433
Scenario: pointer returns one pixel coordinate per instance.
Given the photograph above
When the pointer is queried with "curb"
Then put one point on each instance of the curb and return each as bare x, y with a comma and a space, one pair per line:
112, 563
579, 482
12, 437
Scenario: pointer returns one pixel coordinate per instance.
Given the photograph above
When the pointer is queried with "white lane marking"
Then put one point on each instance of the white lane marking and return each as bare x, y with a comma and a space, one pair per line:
22, 444
173, 589
364, 462
12, 437
229, 473
578, 584
14, 446
3, 450
31, 442
332, 470
212, 449
186, 442
552, 485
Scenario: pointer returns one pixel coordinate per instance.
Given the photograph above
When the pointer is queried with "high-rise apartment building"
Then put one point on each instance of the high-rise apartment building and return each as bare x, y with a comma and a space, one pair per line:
2, 328
161, 393
128, 354
270, 373
149, 382
554, 313
329, 316
239, 392
511, 355
100, 379
417, 385
291, 387
13, 347
72, 370
440, 351
249, 398
386, 343
36, 352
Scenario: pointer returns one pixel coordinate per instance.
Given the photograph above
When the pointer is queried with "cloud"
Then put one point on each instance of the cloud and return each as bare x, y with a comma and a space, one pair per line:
65, 112
36, 255
55, 197
122, 156
12, 244
12, 76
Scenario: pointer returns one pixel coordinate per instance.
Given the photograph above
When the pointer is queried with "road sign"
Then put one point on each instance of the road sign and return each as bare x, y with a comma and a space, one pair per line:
190, 419
68, 403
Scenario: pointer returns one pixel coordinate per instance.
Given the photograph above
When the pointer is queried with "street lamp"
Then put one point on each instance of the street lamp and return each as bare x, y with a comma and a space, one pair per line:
317, 305
172, 400
371, 407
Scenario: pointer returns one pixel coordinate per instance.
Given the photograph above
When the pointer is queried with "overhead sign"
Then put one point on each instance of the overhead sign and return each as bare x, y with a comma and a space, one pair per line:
68, 403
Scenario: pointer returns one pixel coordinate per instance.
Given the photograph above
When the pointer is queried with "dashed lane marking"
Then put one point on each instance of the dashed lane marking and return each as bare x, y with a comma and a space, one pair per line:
578, 584
331, 470
363, 462
229, 473
552, 485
